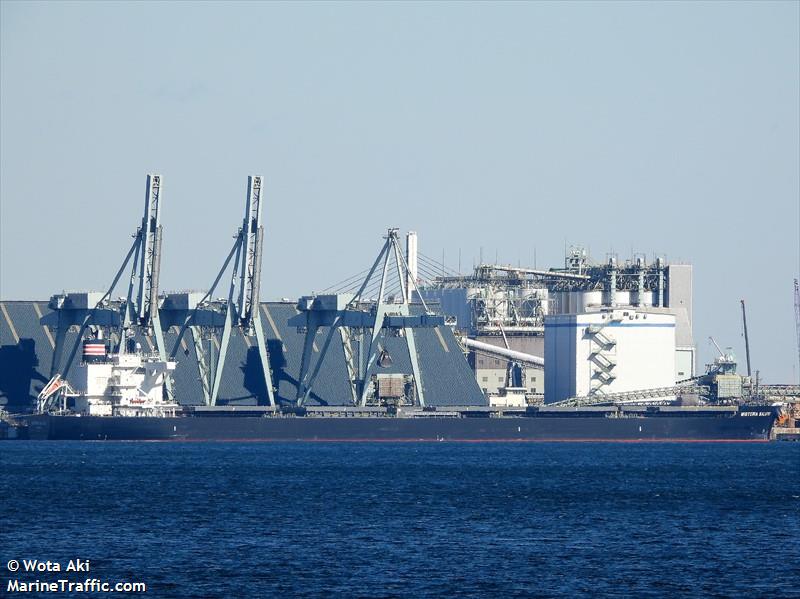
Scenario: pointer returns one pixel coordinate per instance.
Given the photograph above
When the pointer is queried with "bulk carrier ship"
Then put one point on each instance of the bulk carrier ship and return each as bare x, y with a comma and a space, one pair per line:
740, 423
745, 423
124, 400
427, 392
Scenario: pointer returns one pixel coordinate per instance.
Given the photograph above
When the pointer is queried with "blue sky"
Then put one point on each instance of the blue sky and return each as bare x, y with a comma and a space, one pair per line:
658, 128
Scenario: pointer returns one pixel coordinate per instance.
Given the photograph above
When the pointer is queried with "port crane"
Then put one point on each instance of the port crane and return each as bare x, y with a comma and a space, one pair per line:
355, 317
240, 310
139, 311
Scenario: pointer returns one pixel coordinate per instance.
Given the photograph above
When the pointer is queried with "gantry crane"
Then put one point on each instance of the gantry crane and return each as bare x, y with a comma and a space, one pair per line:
241, 309
138, 313
356, 315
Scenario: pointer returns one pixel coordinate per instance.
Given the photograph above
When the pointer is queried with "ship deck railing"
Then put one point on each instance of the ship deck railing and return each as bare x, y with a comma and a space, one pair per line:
458, 411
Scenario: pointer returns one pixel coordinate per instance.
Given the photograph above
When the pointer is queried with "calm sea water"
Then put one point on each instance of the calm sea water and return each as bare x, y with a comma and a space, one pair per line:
416, 520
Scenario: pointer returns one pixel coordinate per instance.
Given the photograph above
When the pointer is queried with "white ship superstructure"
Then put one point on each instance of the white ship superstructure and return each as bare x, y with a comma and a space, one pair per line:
127, 383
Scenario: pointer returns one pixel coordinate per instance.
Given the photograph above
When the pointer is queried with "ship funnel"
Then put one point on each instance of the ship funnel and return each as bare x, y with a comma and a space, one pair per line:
94, 350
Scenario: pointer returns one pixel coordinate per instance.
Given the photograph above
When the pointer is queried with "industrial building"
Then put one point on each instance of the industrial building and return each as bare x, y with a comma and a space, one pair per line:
509, 307
608, 351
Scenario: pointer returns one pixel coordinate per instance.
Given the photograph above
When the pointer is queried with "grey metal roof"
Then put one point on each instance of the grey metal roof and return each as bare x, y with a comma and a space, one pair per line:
446, 376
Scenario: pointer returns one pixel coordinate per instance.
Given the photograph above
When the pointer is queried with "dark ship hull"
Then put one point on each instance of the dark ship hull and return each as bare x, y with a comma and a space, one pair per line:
746, 423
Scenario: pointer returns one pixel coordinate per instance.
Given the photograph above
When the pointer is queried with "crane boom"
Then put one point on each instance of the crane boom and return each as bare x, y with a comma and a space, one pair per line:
149, 252
746, 339
719, 349
252, 241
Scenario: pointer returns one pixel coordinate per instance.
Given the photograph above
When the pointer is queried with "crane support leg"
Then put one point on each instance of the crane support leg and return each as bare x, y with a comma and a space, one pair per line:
323, 351
412, 354
202, 366
264, 356
350, 363
223, 352
162, 351
380, 313
58, 350
77, 343
305, 361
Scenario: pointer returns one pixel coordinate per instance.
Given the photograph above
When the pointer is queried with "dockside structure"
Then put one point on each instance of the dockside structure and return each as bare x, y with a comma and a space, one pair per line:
27, 340
227, 353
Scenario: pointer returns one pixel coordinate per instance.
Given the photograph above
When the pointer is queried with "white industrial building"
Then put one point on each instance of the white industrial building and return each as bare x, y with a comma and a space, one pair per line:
608, 351
507, 306
673, 296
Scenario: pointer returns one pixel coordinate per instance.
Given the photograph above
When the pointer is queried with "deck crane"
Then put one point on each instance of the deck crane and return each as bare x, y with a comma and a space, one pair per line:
719, 349
139, 310
241, 309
